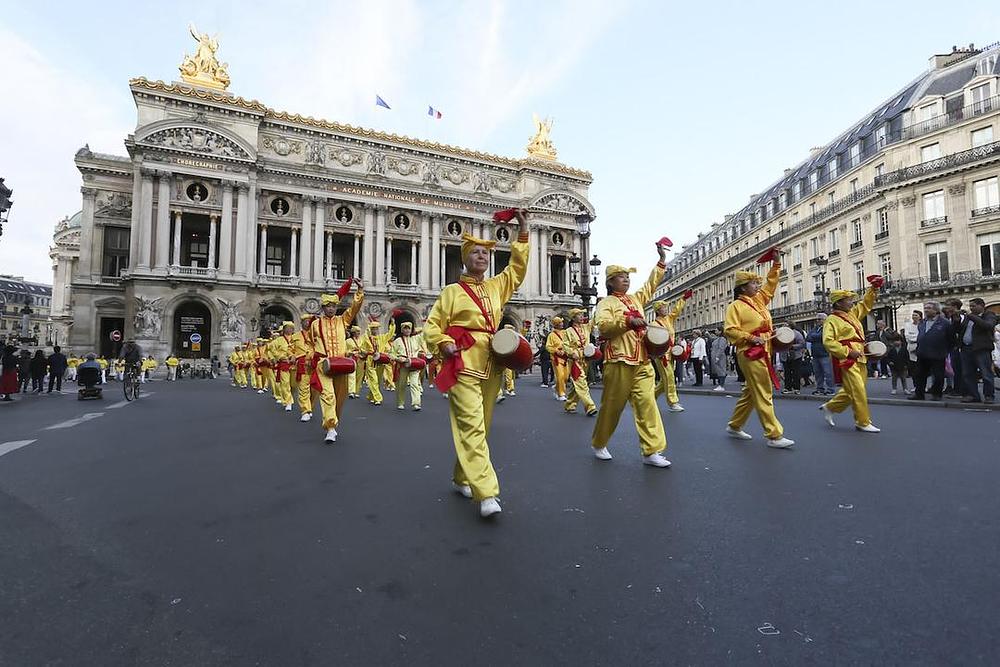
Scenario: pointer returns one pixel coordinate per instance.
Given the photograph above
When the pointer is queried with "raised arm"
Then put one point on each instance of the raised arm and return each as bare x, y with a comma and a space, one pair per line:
770, 285
513, 274
863, 307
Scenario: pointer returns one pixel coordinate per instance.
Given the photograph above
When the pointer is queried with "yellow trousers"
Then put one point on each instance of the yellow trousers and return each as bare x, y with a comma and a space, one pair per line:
508, 380
332, 398
630, 384
269, 381
667, 384
561, 372
372, 372
306, 395
352, 382
471, 403
387, 377
757, 395
852, 393
409, 379
283, 387
580, 391
254, 378
240, 377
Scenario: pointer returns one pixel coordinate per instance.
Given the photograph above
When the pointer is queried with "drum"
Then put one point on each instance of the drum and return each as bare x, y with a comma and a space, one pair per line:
416, 364
875, 349
591, 351
782, 339
337, 366
677, 351
511, 350
381, 358
657, 340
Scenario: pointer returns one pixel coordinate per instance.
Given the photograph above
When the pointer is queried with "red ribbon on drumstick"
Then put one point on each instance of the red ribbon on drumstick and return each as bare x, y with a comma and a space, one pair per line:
665, 242
876, 281
769, 256
505, 215
687, 294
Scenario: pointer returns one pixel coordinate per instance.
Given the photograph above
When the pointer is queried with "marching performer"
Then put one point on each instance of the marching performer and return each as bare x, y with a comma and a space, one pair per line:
301, 351
575, 339
283, 357
844, 339
404, 349
748, 326
628, 375
371, 345
560, 365
354, 352
460, 326
234, 360
507, 388
329, 339
666, 317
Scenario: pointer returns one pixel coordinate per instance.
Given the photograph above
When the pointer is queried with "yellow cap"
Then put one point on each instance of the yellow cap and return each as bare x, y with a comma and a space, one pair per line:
469, 242
356, 329
838, 294
374, 324
325, 299
573, 312
406, 325
658, 304
557, 320
616, 269
305, 316
287, 323
744, 277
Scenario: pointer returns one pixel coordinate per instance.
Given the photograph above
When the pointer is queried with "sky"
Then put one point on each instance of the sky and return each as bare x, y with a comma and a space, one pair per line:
680, 110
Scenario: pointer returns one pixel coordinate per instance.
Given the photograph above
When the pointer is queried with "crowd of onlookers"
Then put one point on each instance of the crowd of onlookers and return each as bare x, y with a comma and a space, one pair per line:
952, 348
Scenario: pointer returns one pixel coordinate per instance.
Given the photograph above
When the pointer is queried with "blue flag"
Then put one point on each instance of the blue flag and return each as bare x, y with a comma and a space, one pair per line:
379, 102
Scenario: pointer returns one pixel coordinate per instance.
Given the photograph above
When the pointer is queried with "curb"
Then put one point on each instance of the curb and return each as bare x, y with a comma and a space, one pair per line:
954, 405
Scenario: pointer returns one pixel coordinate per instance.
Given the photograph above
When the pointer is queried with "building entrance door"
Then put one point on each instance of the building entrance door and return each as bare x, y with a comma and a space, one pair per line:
192, 331
107, 347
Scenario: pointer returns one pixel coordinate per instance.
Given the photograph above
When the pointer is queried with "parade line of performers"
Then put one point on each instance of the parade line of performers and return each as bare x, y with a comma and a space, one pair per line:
472, 362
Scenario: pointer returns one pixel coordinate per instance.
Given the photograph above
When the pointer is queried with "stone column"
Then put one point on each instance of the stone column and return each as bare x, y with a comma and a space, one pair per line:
379, 246
435, 252
294, 259
178, 217
212, 222
369, 261
243, 248
443, 273
319, 220
135, 230
569, 275
493, 263
425, 257
251, 230
305, 250
162, 254
146, 220
543, 251
388, 262
226, 230
413, 262
329, 256
262, 251
89, 252
357, 255
533, 270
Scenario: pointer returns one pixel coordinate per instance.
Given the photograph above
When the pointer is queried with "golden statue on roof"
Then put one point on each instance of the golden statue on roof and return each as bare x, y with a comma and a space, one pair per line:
540, 145
203, 68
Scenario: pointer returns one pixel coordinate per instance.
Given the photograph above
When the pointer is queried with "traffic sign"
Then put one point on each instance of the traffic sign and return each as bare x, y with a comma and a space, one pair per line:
116, 336
196, 338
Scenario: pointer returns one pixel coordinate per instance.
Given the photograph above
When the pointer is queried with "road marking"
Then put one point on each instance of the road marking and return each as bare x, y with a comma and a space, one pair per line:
75, 422
119, 404
8, 447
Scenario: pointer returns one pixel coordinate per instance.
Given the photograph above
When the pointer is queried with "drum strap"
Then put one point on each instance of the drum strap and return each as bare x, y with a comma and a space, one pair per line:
840, 364
482, 308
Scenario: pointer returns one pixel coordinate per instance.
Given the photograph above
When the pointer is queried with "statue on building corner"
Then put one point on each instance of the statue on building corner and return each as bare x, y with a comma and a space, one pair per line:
148, 317
204, 68
540, 145
233, 323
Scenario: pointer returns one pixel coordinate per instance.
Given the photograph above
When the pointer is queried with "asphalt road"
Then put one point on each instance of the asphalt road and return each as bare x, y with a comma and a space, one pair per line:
203, 526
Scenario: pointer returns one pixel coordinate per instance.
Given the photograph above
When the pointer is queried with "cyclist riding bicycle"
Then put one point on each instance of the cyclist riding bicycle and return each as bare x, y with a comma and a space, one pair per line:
132, 354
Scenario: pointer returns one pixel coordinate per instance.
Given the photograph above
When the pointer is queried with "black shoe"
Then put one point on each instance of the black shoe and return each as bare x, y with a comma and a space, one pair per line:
969, 399
936, 398
915, 397
988, 400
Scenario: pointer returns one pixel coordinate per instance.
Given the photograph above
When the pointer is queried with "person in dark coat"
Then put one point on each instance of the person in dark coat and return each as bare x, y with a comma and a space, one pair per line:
9, 383
57, 368
23, 370
975, 339
934, 342
39, 366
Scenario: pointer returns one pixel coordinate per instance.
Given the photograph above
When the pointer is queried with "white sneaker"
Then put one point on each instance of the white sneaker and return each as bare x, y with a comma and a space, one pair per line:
260, 391
738, 434
868, 428
501, 398
306, 416
893, 392
510, 393
462, 489
288, 408
331, 436
675, 407
489, 507
656, 460
416, 408
400, 407
602, 454
719, 388
780, 443
562, 398
827, 414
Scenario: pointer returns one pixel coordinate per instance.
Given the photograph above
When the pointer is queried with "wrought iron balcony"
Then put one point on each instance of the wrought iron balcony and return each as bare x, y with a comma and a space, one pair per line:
939, 164
834, 253
951, 118
954, 280
857, 244
982, 212
797, 266
882, 235
934, 222
111, 280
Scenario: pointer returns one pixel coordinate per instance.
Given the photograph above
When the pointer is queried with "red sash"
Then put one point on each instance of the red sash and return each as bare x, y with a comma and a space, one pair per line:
761, 353
452, 366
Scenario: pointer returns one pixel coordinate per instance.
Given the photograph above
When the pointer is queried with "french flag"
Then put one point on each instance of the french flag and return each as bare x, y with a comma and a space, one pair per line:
433, 113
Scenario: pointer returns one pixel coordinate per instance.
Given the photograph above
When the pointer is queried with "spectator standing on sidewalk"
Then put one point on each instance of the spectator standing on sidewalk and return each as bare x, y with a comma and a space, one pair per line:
718, 361
952, 309
822, 369
23, 371
898, 360
57, 368
545, 365
698, 356
976, 345
9, 383
934, 341
791, 359
39, 366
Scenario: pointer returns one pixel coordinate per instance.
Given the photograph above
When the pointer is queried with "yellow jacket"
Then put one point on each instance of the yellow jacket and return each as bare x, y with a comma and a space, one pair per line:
575, 338
454, 308
836, 329
172, 361
370, 344
624, 344
405, 348
353, 350
554, 345
281, 348
72, 362
329, 334
103, 363
297, 346
667, 321
746, 315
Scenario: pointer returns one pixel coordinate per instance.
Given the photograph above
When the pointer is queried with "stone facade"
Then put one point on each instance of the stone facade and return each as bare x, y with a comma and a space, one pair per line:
909, 192
227, 216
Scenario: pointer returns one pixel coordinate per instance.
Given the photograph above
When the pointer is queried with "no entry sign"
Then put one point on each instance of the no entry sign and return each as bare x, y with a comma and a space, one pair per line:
116, 336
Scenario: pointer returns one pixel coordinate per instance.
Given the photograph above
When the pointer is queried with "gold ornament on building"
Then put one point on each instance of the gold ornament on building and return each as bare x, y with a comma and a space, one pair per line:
540, 145
203, 68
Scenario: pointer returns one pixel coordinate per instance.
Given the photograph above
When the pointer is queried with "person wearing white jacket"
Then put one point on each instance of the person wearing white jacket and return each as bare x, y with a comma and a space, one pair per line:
698, 356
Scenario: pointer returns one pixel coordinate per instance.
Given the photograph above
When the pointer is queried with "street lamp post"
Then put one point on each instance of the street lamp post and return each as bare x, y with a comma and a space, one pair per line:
586, 287
895, 297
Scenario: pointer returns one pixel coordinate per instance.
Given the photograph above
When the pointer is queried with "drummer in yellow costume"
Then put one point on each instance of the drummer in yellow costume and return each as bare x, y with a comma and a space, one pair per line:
666, 317
283, 358
256, 370
372, 343
403, 349
628, 375
302, 352
748, 326
354, 352
460, 326
234, 359
507, 388
560, 365
844, 339
575, 339
329, 339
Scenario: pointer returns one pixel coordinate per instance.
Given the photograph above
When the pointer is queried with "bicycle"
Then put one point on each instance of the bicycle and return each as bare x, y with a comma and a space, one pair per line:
131, 383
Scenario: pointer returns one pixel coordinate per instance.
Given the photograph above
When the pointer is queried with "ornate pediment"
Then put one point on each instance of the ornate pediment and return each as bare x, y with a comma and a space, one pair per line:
114, 205
196, 140
563, 203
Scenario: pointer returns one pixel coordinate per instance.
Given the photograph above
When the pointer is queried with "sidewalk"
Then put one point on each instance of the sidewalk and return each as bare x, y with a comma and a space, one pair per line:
878, 394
